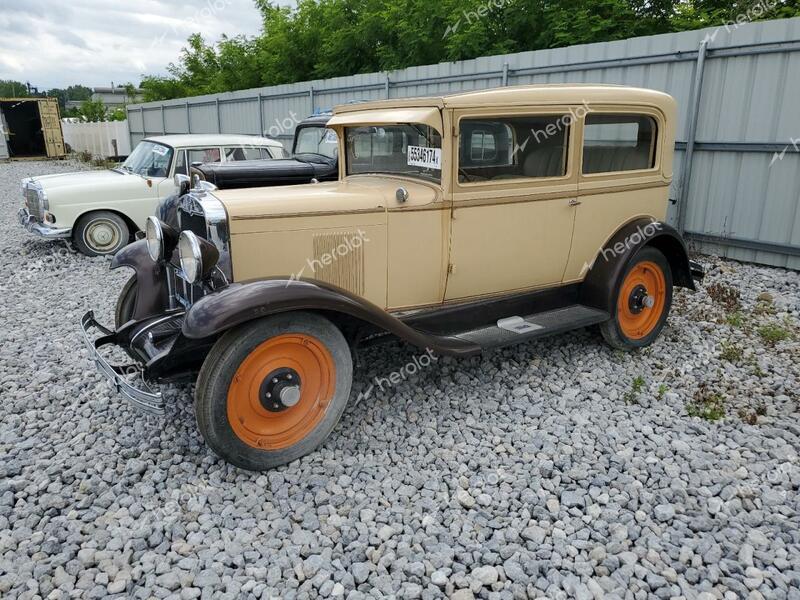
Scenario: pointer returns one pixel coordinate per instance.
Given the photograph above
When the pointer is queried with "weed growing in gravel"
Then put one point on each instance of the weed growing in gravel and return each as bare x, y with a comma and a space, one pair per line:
84, 156
773, 333
736, 319
662, 389
632, 395
706, 404
725, 296
751, 416
731, 352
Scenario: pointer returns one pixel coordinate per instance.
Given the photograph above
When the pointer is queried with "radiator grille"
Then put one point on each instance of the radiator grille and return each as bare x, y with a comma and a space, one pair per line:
339, 260
32, 203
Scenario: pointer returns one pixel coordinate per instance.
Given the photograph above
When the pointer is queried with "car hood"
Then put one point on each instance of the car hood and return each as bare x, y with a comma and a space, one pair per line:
357, 194
69, 185
80, 178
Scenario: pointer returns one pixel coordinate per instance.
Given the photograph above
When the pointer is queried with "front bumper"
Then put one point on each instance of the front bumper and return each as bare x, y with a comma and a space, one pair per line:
29, 222
140, 396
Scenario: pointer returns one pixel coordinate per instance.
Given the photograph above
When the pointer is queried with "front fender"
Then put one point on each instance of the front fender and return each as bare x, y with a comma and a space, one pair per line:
600, 287
152, 296
242, 302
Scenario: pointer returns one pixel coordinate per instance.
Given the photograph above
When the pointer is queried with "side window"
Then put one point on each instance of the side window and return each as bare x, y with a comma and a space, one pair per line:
205, 155
513, 148
180, 163
274, 152
242, 153
618, 143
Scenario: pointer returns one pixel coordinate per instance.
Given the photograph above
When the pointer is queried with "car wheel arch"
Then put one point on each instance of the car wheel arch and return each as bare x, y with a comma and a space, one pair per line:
600, 286
239, 303
132, 226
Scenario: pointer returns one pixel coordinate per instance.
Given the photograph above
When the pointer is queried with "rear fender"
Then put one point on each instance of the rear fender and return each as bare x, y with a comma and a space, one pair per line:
239, 303
601, 285
152, 297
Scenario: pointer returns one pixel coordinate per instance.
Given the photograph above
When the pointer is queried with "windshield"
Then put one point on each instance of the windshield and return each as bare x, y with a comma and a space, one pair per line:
317, 140
149, 160
412, 149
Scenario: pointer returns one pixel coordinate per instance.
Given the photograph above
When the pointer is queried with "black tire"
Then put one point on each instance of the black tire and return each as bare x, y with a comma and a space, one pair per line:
224, 361
125, 303
613, 330
101, 232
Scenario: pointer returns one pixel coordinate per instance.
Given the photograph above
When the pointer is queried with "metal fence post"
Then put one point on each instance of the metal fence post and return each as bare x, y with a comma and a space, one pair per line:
188, 119
691, 134
505, 74
260, 116
311, 98
387, 84
219, 118
163, 121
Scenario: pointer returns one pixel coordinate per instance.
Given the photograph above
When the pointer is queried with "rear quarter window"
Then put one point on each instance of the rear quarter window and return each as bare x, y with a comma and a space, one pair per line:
619, 143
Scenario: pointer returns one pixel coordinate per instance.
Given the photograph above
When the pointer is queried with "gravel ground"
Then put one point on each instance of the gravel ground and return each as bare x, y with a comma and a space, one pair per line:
561, 469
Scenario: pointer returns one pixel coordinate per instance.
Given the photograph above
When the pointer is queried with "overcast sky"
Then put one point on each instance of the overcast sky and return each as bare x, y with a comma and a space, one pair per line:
56, 43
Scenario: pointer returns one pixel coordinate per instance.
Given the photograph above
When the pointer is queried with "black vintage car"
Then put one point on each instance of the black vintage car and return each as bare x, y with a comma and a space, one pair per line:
314, 157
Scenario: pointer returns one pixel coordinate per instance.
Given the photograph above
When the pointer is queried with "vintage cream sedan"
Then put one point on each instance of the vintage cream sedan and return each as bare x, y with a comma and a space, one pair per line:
101, 210
458, 223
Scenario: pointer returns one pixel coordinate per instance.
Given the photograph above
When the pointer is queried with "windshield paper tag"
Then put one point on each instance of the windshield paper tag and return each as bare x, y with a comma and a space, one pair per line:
160, 150
427, 158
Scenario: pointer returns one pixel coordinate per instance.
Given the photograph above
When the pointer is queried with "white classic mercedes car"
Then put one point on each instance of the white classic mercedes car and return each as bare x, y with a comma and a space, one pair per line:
101, 210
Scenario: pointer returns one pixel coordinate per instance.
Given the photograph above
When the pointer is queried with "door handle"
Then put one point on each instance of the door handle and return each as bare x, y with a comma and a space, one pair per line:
574, 202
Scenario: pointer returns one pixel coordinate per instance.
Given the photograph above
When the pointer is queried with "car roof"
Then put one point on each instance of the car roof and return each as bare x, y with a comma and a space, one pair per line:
521, 95
319, 119
190, 140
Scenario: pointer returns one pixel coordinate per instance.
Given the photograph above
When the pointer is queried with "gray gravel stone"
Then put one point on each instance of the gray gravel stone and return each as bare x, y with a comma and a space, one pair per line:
523, 472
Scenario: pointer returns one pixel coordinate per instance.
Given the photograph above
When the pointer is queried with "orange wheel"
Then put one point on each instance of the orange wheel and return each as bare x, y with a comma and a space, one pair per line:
280, 392
271, 390
644, 298
641, 300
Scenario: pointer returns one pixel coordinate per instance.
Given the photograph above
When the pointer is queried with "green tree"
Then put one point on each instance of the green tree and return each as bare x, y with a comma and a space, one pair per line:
330, 38
93, 111
13, 89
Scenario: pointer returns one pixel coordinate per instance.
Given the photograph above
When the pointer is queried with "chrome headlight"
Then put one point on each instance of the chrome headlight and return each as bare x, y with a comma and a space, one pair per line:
191, 257
197, 256
161, 239
154, 235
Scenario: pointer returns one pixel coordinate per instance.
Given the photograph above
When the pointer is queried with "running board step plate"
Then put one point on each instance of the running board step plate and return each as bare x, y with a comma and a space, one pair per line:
515, 329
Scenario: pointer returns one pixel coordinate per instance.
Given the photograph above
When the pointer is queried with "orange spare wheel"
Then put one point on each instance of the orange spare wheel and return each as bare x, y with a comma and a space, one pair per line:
642, 298
281, 391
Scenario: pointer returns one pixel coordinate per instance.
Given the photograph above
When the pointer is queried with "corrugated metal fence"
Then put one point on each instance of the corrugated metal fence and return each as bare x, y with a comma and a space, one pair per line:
737, 177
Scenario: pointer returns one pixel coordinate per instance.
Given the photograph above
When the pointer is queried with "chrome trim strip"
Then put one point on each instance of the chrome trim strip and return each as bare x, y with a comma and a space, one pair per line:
158, 321
205, 204
144, 399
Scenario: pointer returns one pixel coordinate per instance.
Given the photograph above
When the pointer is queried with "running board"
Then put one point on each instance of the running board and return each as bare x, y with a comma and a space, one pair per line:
515, 329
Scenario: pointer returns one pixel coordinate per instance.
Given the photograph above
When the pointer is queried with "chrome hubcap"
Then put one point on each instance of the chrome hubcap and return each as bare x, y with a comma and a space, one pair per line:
102, 235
